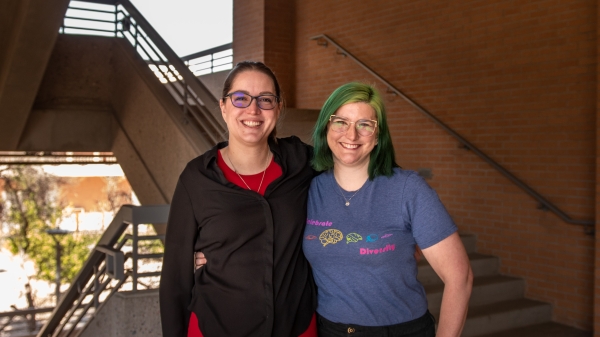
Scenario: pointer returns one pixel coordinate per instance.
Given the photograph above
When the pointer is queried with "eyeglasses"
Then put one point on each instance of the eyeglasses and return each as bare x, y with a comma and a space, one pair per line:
242, 100
364, 127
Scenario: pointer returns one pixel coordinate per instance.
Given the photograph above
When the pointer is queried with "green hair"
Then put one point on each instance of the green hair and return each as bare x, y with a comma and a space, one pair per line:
382, 159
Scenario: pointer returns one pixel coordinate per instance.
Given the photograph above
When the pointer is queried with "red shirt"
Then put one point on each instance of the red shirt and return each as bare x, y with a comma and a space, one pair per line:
254, 181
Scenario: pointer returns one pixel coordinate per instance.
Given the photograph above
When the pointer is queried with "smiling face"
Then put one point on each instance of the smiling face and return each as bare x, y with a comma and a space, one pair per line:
350, 149
250, 126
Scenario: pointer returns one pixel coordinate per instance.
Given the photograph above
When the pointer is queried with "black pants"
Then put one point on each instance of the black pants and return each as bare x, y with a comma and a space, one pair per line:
423, 326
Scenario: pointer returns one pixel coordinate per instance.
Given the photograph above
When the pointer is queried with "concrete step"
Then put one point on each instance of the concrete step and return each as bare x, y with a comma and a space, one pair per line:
469, 241
482, 265
506, 315
497, 307
486, 290
548, 329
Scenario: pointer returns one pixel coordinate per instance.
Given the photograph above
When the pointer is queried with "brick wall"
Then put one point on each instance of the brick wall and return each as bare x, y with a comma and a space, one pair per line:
279, 45
518, 80
597, 255
248, 31
264, 31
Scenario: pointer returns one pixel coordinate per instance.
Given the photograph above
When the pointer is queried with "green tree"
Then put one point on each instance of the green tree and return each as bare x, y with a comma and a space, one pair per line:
75, 250
31, 206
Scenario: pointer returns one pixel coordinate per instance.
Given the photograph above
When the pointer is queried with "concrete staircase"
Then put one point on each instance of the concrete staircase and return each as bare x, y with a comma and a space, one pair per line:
498, 306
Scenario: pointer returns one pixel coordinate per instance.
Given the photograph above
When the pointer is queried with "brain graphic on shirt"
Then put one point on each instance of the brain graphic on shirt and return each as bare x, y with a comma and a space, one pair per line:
331, 236
353, 237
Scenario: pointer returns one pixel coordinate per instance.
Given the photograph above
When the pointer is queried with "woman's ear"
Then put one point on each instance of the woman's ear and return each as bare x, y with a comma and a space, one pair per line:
222, 106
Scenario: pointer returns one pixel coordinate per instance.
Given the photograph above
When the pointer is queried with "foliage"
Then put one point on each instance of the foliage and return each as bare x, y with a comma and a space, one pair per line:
75, 250
147, 246
30, 206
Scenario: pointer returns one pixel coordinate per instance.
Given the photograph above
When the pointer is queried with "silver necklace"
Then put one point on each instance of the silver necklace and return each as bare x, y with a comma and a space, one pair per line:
342, 193
242, 179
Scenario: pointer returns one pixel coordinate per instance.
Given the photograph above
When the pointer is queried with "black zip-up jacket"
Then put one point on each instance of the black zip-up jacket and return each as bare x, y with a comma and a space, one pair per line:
257, 281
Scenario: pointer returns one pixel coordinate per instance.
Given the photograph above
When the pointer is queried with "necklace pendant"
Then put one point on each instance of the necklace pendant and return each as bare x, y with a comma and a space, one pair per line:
347, 203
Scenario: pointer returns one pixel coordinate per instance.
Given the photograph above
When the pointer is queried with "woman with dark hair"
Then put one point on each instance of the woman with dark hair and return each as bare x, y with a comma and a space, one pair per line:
242, 203
365, 217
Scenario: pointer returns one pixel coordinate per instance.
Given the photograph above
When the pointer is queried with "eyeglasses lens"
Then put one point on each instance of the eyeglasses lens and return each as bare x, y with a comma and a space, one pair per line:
266, 102
242, 100
364, 127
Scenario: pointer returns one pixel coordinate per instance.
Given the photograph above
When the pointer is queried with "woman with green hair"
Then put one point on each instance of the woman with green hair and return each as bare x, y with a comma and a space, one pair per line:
365, 218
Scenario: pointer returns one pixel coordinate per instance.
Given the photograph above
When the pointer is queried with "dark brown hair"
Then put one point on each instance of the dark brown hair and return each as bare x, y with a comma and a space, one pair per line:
248, 66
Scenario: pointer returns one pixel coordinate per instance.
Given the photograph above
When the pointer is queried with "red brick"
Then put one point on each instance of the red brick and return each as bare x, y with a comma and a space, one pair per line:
518, 79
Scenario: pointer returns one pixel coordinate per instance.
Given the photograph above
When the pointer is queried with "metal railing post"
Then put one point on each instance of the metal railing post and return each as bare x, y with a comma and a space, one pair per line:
116, 20
134, 257
136, 36
96, 288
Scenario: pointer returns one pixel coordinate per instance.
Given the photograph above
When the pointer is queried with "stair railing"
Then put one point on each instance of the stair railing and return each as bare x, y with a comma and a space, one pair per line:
112, 265
544, 204
198, 102
199, 107
210, 60
27, 324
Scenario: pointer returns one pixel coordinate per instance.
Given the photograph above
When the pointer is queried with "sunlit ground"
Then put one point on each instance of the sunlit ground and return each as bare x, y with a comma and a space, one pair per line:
13, 279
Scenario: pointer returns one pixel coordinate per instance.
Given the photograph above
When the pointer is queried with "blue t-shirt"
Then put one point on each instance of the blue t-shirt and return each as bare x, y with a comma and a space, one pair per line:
362, 255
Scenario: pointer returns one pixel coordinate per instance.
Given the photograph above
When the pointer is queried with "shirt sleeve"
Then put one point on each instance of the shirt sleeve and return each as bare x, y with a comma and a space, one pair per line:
177, 275
429, 221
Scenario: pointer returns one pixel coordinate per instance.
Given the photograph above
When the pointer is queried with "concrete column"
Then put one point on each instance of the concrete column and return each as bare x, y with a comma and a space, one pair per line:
28, 31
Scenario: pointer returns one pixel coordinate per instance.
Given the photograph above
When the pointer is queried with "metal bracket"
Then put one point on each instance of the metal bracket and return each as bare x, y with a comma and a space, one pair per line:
340, 52
390, 91
464, 147
114, 261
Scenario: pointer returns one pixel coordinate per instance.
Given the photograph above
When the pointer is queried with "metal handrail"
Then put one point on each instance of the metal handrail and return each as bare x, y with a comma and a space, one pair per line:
206, 107
29, 319
210, 60
207, 52
324, 40
24, 312
220, 57
95, 282
199, 107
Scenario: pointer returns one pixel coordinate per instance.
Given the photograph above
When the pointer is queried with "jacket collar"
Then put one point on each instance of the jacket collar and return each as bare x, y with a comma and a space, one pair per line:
211, 155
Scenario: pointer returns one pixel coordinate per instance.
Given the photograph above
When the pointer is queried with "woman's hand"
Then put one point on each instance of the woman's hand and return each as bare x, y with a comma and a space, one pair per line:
199, 260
